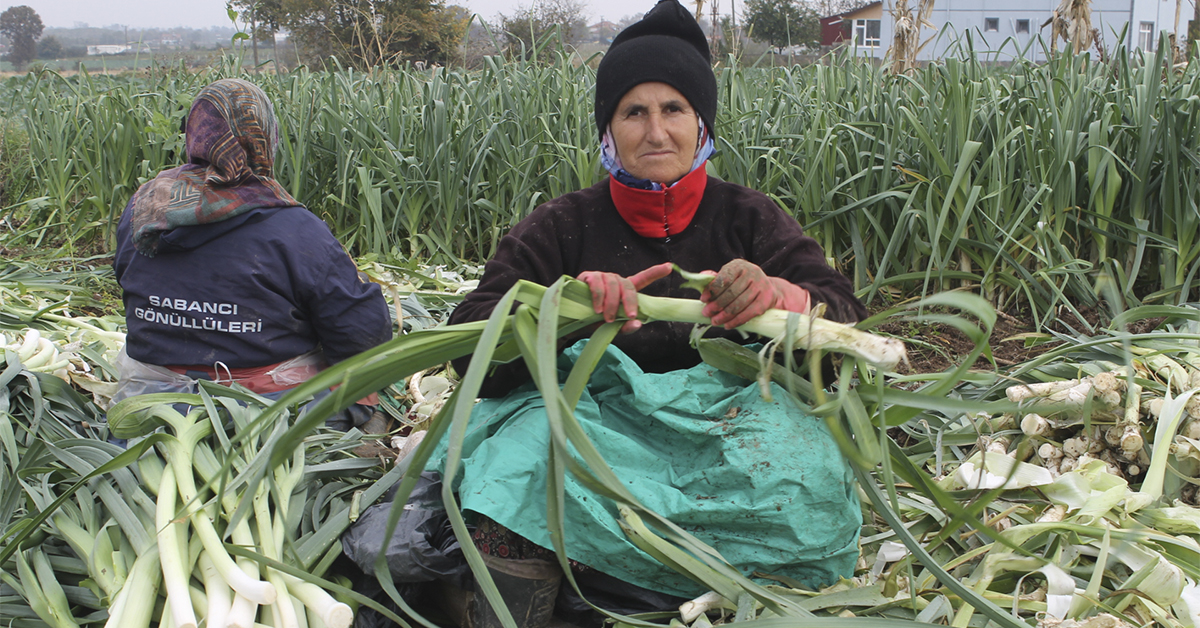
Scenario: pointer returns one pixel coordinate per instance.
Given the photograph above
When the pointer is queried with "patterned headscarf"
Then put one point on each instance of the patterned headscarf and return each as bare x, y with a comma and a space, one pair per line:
232, 136
705, 148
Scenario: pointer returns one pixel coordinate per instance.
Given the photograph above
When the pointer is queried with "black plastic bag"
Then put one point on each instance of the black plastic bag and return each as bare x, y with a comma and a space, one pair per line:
367, 617
422, 548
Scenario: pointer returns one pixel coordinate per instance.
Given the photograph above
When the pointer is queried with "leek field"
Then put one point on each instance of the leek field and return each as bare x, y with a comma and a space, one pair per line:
1058, 489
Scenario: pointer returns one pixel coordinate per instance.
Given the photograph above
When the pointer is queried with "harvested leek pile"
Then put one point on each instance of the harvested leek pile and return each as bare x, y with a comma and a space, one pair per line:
78, 351
43, 321
94, 533
421, 297
1127, 392
957, 530
965, 523
151, 535
1062, 491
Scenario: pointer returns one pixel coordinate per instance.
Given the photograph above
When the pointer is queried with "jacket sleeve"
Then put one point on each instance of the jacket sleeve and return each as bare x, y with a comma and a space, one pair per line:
348, 315
531, 252
124, 243
781, 248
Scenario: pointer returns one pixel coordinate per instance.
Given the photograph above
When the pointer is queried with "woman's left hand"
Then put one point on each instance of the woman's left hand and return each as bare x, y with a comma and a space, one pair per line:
741, 291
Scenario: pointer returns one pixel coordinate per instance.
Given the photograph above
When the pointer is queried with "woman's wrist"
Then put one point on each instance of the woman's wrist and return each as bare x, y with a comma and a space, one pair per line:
790, 297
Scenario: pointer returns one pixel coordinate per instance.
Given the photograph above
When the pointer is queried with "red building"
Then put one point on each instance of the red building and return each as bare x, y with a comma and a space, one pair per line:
861, 23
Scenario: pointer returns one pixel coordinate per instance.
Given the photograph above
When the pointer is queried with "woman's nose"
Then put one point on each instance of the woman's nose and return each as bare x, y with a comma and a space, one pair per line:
656, 130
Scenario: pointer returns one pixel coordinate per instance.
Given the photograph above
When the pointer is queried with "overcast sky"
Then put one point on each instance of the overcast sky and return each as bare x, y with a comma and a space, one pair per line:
205, 13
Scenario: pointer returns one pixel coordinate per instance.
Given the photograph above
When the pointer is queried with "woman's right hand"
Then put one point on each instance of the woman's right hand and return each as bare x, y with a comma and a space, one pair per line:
612, 292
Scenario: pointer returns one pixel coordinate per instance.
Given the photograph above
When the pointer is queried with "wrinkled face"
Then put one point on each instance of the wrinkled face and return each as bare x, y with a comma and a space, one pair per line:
655, 129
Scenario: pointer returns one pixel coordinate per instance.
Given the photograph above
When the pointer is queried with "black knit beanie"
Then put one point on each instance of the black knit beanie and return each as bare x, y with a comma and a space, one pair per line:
666, 46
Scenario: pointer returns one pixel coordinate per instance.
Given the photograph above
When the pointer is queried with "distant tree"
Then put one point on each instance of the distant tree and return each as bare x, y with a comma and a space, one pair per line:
727, 44
782, 23
265, 18
826, 8
49, 47
628, 20
528, 29
367, 33
22, 26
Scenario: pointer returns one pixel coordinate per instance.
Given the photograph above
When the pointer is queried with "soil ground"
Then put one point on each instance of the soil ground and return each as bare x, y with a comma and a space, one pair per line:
933, 348
1015, 339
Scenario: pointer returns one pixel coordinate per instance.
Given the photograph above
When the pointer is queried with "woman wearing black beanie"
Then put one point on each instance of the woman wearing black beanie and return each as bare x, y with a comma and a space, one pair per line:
762, 482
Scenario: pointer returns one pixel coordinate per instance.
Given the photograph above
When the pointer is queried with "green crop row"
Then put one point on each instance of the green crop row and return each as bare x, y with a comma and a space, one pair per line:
1037, 185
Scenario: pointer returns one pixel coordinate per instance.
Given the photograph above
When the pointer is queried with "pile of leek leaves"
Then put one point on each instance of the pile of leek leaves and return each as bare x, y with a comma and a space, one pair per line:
961, 556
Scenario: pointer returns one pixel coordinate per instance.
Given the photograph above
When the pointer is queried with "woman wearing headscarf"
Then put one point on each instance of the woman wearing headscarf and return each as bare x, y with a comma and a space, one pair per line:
225, 276
762, 482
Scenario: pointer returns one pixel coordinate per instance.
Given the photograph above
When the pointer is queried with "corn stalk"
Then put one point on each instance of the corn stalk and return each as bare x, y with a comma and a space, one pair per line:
906, 40
1071, 22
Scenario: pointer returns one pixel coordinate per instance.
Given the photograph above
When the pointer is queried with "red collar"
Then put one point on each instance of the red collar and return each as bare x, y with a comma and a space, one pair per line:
658, 214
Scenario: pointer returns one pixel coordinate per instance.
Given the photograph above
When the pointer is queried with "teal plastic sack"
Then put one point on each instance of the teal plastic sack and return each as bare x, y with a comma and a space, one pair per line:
761, 482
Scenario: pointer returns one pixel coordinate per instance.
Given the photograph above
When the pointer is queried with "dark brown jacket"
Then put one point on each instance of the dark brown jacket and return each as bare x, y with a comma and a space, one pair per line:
583, 231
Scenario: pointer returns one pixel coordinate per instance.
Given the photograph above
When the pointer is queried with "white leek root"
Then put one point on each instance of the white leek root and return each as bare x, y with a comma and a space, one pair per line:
691, 610
811, 333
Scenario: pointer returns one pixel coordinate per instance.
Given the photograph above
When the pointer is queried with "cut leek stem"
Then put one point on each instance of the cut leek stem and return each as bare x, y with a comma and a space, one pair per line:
811, 333
333, 613
134, 605
175, 575
180, 459
220, 598
266, 541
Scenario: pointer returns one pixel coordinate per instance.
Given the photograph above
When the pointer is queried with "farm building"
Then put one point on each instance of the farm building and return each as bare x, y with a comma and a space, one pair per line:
107, 49
860, 27
1003, 30
116, 49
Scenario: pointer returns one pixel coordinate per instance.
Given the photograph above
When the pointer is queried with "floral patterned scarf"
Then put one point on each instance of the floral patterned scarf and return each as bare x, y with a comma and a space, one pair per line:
232, 136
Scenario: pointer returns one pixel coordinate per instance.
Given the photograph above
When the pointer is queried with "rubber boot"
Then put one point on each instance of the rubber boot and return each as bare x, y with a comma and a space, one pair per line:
529, 588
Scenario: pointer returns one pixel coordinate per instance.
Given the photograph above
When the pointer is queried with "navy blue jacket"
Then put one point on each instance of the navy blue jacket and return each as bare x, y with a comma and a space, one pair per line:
253, 290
